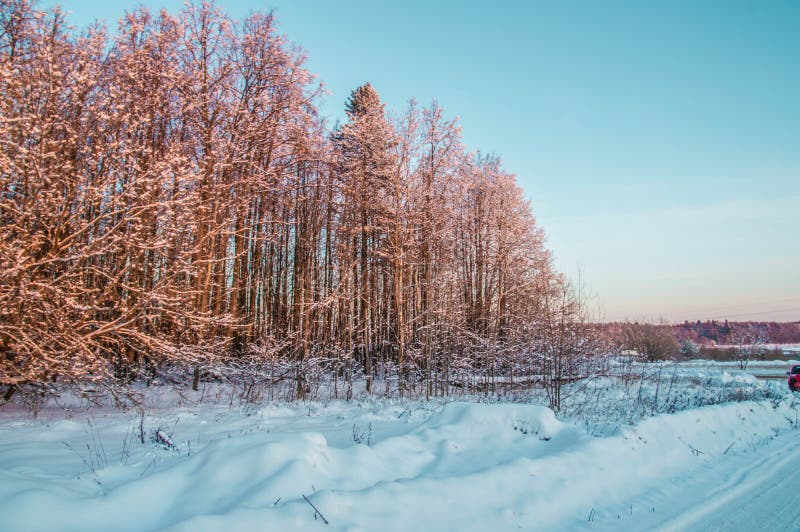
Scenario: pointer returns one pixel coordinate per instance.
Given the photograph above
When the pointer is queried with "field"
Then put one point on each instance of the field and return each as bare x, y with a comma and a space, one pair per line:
627, 449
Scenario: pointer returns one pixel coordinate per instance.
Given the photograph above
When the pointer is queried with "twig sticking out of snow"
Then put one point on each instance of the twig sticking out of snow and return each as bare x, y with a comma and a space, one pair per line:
728, 449
695, 450
87, 464
162, 438
360, 437
141, 427
316, 511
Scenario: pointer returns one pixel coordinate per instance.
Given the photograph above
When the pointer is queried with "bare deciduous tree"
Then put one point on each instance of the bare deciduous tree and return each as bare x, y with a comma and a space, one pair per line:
169, 197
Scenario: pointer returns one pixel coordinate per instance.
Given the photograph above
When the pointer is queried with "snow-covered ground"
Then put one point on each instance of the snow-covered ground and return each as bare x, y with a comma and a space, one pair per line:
382, 464
786, 348
758, 368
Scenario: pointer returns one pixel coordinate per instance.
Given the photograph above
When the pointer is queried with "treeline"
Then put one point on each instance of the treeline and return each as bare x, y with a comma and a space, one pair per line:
169, 196
664, 341
725, 332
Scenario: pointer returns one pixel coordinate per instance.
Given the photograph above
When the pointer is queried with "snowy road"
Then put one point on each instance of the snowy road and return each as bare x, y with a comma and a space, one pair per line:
753, 489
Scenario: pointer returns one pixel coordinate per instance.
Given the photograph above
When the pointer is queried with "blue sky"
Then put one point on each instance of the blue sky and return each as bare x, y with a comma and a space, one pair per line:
658, 141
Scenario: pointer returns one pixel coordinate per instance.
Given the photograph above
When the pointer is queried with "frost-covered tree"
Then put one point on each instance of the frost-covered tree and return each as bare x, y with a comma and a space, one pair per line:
170, 200
365, 167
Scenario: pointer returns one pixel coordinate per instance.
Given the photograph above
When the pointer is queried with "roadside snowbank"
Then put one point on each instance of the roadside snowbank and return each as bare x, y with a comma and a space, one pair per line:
465, 466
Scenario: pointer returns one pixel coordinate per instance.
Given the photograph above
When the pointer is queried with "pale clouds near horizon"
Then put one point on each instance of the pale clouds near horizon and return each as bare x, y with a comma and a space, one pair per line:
733, 258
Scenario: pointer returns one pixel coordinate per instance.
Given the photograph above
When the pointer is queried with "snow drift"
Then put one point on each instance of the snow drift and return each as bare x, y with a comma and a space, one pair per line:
465, 467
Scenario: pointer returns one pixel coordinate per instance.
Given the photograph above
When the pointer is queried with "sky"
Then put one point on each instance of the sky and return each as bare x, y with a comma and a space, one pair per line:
659, 142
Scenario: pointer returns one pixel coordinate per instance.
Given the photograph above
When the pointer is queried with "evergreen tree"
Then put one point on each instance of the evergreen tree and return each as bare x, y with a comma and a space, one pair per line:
365, 164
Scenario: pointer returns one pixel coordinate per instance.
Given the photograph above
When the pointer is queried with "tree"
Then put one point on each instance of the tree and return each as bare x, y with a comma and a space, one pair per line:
749, 340
655, 342
689, 349
365, 166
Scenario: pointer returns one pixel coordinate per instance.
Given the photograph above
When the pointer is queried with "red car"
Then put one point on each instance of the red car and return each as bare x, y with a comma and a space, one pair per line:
794, 378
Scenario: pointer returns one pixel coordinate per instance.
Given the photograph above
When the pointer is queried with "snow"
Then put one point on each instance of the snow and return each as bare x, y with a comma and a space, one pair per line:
381, 464
739, 491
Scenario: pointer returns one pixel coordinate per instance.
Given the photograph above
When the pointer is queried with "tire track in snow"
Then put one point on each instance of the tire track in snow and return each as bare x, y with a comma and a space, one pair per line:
761, 496
754, 490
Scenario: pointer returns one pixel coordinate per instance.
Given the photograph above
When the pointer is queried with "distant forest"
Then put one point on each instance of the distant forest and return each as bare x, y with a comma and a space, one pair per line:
722, 333
698, 339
